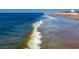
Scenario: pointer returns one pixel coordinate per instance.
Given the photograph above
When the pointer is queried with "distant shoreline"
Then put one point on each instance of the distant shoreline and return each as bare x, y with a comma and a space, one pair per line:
70, 15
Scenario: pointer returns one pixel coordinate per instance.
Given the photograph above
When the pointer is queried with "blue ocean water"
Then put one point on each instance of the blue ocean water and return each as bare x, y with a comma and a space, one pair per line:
14, 27
55, 32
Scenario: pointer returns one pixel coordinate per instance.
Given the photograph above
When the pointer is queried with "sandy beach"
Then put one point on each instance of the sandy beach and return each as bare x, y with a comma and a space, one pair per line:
73, 16
70, 15
60, 33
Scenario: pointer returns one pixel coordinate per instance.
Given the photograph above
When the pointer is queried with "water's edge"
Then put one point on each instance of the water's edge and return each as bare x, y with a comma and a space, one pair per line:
33, 38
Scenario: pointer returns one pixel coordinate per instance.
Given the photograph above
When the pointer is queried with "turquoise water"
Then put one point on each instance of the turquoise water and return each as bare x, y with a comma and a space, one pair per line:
14, 28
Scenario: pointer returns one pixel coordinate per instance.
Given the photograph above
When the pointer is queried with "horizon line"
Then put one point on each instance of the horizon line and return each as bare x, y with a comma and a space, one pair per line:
32, 10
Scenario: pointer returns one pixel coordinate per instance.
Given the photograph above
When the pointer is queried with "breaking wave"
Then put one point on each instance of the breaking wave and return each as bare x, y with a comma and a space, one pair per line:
36, 36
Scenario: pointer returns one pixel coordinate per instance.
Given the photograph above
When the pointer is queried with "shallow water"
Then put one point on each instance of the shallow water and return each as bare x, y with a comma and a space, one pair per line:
60, 32
55, 32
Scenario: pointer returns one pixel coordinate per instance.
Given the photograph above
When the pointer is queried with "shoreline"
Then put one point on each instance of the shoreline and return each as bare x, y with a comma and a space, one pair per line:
68, 15
59, 34
33, 39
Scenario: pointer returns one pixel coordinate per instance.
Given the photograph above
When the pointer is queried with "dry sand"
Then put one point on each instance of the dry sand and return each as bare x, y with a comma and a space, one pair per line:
70, 15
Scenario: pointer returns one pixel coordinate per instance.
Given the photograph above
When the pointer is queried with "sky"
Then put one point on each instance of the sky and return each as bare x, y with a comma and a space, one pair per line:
32, 10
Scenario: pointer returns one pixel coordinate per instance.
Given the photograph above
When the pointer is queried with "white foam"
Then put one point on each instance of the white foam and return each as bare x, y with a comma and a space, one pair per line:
36, 36
46, 15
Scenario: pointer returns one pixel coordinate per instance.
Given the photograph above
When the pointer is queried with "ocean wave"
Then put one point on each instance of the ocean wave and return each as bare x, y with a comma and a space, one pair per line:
36, 36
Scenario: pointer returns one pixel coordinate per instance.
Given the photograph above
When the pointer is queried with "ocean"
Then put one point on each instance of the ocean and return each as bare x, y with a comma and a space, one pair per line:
15, 28
38, 31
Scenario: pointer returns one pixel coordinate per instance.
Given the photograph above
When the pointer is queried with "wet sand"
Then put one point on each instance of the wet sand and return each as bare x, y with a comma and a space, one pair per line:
76, 17
59, 34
